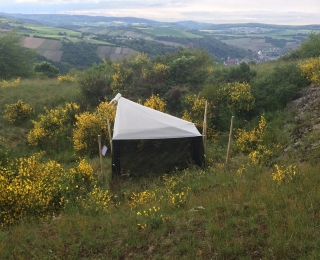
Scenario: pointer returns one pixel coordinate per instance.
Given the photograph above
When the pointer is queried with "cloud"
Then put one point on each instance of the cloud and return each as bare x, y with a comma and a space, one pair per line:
172, 10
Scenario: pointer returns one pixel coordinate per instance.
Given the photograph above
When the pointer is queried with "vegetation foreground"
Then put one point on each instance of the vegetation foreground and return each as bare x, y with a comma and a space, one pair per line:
195, 214
57, 203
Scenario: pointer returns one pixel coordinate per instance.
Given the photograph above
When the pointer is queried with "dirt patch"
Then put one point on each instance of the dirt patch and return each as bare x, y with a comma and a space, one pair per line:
104, 49
116, 56
32, 43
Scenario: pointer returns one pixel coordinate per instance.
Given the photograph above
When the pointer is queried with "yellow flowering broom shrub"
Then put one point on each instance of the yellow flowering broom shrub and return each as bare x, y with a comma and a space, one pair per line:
35, 189
194, 112
284, 173
12, 83
155, 102
18, 112
177, 194
54, 129
90, 125
77, 183
141, 198
29, 188
311, 69
66, 79
247, 141
259, 150
237, 96
97, 201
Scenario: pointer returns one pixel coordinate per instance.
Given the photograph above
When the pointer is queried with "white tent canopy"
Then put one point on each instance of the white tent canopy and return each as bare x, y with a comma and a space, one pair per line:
134, 121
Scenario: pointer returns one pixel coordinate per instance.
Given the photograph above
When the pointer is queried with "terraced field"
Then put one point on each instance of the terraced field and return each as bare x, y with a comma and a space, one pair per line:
113, 53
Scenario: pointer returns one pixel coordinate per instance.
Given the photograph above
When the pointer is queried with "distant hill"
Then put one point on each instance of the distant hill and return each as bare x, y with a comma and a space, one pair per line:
65, 19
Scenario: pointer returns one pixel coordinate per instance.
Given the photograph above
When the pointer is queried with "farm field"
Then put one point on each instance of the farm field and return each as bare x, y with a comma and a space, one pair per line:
249, 43
167, 31
116, 32
40, 30
256, 39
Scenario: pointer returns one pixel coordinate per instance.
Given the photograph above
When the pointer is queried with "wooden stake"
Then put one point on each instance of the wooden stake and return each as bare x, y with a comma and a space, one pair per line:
100, 153
204, 129
230, 137
109, 131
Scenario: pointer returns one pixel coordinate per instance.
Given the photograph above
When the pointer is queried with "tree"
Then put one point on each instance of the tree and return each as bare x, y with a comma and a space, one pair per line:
46, 69
15, 60
308, 49
95, 82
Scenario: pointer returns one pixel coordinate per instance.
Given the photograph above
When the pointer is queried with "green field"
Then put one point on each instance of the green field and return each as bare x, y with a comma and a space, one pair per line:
168, 31
39, 30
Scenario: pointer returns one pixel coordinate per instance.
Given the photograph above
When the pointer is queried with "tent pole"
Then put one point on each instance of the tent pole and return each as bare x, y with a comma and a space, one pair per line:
230, 137
100, 153
204, 129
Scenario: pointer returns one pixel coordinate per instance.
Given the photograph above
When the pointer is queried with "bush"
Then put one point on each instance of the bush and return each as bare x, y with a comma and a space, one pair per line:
46, 69
89, 126
13, 83
155, 102
256, 143
29, 188
66, 79
18, 112
54, 130
95, 83
311, 69
308, 49
194, 112
276, 89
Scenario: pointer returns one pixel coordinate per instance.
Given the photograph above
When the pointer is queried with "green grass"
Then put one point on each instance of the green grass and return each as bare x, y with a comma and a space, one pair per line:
38, 94
49, 31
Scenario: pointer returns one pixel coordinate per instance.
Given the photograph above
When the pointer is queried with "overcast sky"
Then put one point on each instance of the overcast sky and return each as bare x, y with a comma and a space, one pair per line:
296, 12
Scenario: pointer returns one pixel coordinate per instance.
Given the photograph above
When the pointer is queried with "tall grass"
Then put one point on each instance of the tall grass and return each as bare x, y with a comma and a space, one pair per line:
226, 216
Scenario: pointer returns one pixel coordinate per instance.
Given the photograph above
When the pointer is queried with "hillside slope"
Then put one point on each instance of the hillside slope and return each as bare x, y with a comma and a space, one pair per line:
305, 129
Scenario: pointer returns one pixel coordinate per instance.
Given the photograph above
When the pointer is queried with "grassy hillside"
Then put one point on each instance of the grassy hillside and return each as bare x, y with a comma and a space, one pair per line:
58, 199
239, 211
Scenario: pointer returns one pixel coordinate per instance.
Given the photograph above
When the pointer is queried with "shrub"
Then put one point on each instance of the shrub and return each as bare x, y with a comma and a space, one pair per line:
237, 96
54, 130
13, 83
284, 173
18, 112
46, 69
155, 102
29, 188
275, 90
255, 143
89, 126
34, 189
66, 79
194, 112
95, 83
311, 69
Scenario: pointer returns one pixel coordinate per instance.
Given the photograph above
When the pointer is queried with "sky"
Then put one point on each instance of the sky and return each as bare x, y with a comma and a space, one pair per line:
288, 12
